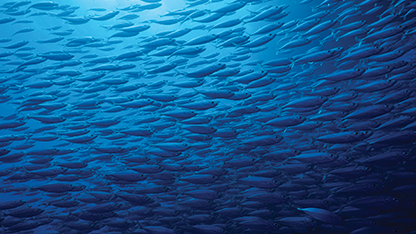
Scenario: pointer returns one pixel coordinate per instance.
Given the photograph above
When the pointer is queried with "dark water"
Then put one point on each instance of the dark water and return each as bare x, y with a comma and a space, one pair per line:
249, 116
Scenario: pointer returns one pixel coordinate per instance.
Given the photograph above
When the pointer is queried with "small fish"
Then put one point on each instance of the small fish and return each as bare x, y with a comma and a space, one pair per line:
260, 41
266, 14
107, 16
129, 17
23, 22
17, 45
46, 5
206, 71
26, 30
52, 40
97, 9
202, 39
7, 20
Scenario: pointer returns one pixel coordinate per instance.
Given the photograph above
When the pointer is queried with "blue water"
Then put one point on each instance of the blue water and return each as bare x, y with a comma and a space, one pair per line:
110, 128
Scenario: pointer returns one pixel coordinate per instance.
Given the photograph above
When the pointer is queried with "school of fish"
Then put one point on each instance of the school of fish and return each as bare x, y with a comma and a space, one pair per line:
218, 116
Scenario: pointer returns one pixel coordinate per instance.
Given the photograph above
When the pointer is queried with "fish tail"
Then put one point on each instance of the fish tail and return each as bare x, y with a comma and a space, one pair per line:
178, 73
184, 20
332, 35
278, 50
106, 27
29, 135
361, 41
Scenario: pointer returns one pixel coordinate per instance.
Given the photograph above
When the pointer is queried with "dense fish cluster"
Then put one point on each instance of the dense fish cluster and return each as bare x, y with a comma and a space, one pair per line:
207, 116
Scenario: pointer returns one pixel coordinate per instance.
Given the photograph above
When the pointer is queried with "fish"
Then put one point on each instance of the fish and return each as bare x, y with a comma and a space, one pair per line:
46, 5
51, 40
7, 20
129, 17
202, 39
17, 45
260, 41
76, 20
226, 24
106, 16
230, 7
265, 14
26, 30
206, 71
210, 18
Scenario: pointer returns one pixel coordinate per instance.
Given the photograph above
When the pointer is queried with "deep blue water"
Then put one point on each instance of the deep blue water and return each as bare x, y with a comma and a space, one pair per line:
251, 116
